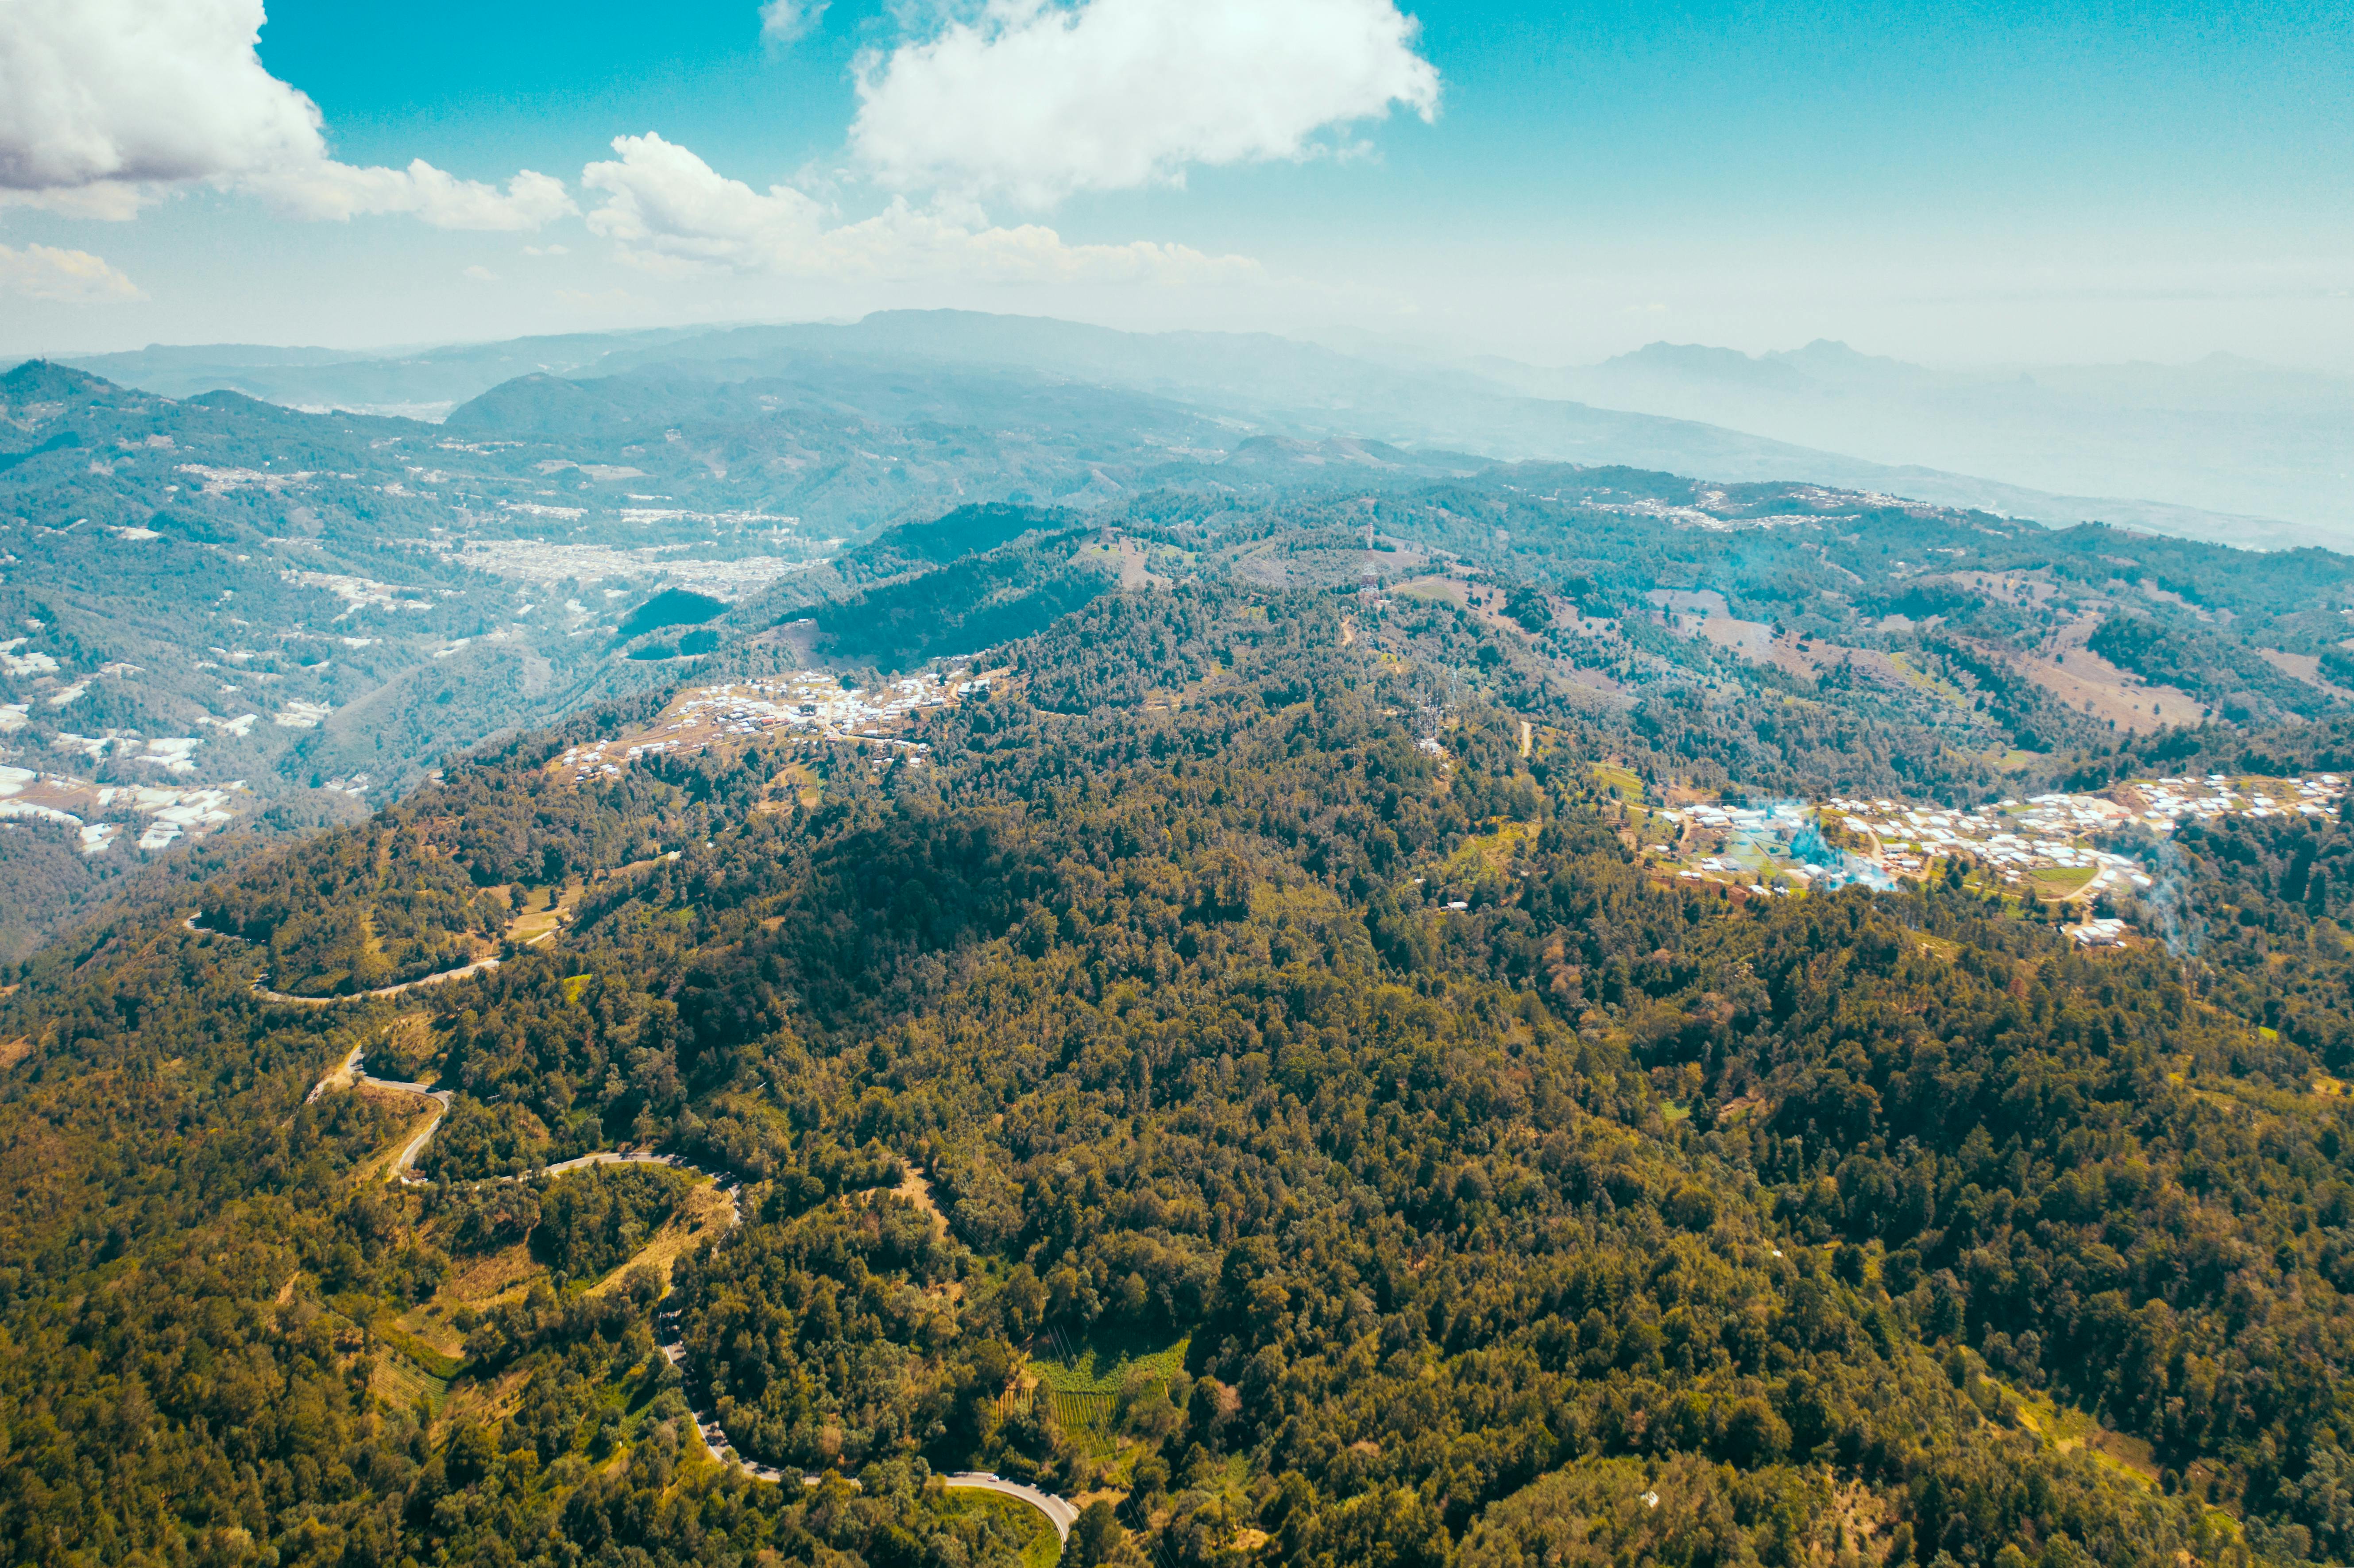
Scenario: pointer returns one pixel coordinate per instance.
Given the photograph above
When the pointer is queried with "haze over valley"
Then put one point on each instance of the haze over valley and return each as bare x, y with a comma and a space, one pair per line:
1177, 785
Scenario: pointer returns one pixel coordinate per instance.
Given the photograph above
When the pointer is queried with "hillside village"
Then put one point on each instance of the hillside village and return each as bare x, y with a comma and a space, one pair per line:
2047, 848
810, 702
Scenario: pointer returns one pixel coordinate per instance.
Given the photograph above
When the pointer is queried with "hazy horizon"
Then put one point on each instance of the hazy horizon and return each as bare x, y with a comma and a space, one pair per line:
2023, 185
1339, 337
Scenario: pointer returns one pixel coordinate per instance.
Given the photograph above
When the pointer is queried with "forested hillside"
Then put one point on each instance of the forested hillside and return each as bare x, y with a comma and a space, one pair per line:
222, 613
1233, 1080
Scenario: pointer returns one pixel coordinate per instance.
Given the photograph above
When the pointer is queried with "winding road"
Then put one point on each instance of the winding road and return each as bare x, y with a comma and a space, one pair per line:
405, 1164
1060, 1512
479, 966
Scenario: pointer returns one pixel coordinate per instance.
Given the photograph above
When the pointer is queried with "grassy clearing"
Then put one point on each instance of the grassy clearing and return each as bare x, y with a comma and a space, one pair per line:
1102, 1363
438, 1365
1079, 1385
487, 1403
1015, 1521
490, 1276
2064, 1429
1492, 852
1623, 779
1435, 590
400, 1381
2061, 881
703, 1213
429, 1323
1088, 1420
543, 909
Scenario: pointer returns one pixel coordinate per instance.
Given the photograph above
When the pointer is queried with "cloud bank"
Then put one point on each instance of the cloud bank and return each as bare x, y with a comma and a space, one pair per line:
1030, 101
670, 211
64, 277
1038, 102
330, 190
105, 103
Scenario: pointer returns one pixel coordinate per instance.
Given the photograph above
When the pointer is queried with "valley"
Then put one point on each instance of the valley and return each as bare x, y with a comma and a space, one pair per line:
591, 981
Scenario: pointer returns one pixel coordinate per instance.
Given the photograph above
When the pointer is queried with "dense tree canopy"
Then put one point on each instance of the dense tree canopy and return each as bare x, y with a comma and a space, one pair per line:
1221, 997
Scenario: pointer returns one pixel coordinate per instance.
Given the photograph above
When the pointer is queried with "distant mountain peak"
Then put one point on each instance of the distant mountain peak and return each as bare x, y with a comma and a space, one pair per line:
1824, 359
1698, 360
45, 381
1826, 348
1660, 351
1829, 356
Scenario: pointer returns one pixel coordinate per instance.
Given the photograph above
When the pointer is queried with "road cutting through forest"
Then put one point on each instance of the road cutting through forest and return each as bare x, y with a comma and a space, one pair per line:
1060, 1512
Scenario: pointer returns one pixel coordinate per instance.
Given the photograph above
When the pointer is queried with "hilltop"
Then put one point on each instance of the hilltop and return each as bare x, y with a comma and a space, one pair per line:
238, 616
1228, 1068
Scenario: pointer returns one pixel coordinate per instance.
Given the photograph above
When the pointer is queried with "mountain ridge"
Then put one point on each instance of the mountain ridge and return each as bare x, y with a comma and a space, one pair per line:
1303, 390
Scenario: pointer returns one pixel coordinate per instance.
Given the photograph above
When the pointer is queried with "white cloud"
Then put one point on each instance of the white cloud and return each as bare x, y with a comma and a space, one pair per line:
672, 213
330, 190
67, 277
788, 21
482, 274
138, 91
105, 103
1039, 100
548, 251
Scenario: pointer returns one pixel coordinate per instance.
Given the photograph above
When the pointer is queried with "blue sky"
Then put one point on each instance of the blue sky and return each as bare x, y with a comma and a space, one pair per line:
1954, 184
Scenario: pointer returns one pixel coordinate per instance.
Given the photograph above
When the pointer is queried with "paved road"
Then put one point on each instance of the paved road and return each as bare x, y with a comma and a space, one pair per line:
1061, 1512
480, 965
620, 1157
406, 1160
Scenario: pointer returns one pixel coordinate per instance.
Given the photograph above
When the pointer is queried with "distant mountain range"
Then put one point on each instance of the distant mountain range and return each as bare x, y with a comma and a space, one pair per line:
2224, 433
2227, 450
425, 383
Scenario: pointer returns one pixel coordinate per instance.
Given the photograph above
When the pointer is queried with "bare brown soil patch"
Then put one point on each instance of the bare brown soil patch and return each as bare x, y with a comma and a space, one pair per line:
1691, 602
1752, 639
2085, 680
2012, 588
1808, 657
2305, 667
799, 636
1858, 1518
1126, 557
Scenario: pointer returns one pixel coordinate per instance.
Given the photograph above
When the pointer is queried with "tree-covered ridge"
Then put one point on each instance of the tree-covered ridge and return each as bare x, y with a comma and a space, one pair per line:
356, 913
322, 607
1238, 996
